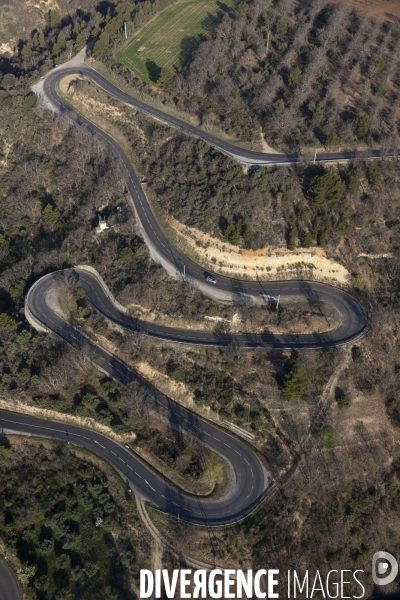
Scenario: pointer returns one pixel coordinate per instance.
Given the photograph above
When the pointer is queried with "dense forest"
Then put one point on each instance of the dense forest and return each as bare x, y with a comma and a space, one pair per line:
67, 520
41, 45
305, 74
346, 209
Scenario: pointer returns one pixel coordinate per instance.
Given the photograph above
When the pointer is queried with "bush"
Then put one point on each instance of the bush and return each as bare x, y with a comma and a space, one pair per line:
9, 80
374, 175
357, 354
294, 77
7, 322
358, 283
330, 437
380, 90
281, 27
343, 401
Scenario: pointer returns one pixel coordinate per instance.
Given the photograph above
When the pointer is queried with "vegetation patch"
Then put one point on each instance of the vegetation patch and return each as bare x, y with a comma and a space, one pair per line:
69, 528
168, 41
330, 437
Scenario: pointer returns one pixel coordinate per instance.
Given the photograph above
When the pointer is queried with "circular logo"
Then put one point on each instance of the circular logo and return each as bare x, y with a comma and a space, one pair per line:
381, 561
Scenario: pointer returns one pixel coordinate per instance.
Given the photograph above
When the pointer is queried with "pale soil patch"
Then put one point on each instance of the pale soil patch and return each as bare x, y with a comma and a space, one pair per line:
20, 407
389, 9
382, 255
266, 147
44, 4
6, 48
65, 83
264, 264
92, 107
6, 151
385, 10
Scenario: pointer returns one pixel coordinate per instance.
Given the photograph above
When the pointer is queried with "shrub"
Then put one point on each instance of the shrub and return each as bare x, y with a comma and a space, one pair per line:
330, 437
9, 80
343, 401
357, 354
358, 283
281, 27
294, 77
7, 322
374, 175
380, 90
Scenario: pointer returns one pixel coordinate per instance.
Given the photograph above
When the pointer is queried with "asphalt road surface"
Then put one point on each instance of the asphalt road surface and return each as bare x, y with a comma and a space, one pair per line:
8, 586
249, 481
249, 157
353, 317
352, 326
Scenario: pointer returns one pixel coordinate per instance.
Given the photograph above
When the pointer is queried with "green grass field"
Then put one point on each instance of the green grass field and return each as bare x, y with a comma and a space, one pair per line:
170, 38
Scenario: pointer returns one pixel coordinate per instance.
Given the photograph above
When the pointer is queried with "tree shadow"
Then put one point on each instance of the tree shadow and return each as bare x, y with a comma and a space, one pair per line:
153, 70
209, 26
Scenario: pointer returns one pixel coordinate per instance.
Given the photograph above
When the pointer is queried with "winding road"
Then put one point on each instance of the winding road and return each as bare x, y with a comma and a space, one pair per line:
249, 480
9, 589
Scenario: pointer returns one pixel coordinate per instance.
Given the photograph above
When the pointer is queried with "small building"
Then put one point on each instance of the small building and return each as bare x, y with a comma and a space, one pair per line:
102, 225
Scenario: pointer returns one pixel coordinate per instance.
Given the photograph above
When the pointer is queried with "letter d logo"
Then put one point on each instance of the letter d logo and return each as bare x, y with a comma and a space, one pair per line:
379, 568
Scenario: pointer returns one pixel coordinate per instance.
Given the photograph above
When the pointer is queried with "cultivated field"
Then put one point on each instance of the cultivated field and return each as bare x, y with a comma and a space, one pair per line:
170, 37
385, 9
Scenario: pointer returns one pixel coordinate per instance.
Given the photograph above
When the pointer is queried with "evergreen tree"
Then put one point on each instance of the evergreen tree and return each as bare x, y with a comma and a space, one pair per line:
101, 47
332, 140
292, 239
295, 382
232, 235
295, 77
42, 41
35, 40
166, 77
79, 41
327, 188
56, 50
27, 52
9, 80
53, 19
363, 124
61, 41
307, 239
374, 175
246, 232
